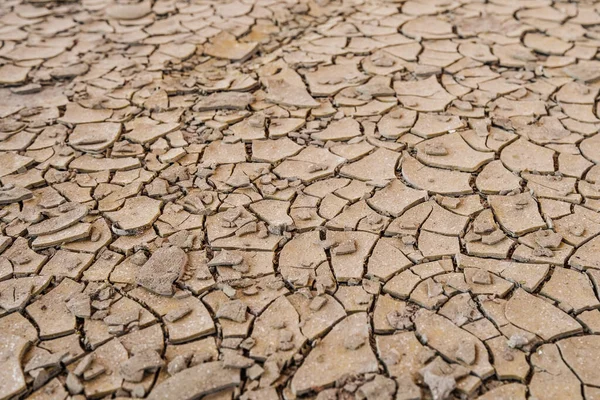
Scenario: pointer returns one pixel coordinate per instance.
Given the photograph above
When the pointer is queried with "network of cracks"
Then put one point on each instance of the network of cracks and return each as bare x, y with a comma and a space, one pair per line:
299, 199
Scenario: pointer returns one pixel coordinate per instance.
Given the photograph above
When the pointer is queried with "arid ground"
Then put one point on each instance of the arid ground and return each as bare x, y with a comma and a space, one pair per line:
299, 199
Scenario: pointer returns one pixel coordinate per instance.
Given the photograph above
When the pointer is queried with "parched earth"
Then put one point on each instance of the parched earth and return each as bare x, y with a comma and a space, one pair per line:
299, 199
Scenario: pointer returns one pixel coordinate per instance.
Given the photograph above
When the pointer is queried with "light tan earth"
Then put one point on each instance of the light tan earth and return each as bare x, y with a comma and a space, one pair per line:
299, 199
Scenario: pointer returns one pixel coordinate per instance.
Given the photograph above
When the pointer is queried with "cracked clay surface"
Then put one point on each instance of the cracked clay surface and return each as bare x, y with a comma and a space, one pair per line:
299, 199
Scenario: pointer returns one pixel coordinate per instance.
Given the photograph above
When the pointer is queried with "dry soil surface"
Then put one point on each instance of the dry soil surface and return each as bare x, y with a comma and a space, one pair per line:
299, 199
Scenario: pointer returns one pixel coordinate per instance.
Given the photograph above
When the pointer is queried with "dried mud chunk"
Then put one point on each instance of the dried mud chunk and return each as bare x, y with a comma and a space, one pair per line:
53, 388
50, 312
509, 363
560, 188
344, 129
24, 260
581, 354
445, 337
12, 350
314, 322
539, 317
68, 214
358, 216
528, 276
402, 284
321, 369
223, 153
88, 163
546, 130
76, 114
483, 282
382, 63
12, 74
390, 315
163, 268
441, 377
427, 27
106, 360
379, 165
348, 265
196, 324
477, 51
94, 137
543, 255
280, 127
66, 263
395, 198
303, 251
444, 222
379, 388
461, 309
429, 294
583, 113
590, 148
514, 391
233, 310
403, 354
287, 88
546, 44
517, 214
426, 95
181, 51
552, 378
436, 245
122, 313
185, 385
495, 178
523, 155
387, 259
71, 234
586, 256
224, 101
129, 11
11, 163
273, 212
574, 165
149, 133
310, 164
271, 342
252, 128
396, 122
225, 45
134, 368
329, 80
572, 289
99, 236
431, 125
354, 298
513, 55
137, 213
585, 71
274, 150
434, 179
13, 194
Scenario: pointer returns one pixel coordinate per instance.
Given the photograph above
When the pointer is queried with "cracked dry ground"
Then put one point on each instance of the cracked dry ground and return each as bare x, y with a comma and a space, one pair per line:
266, 199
